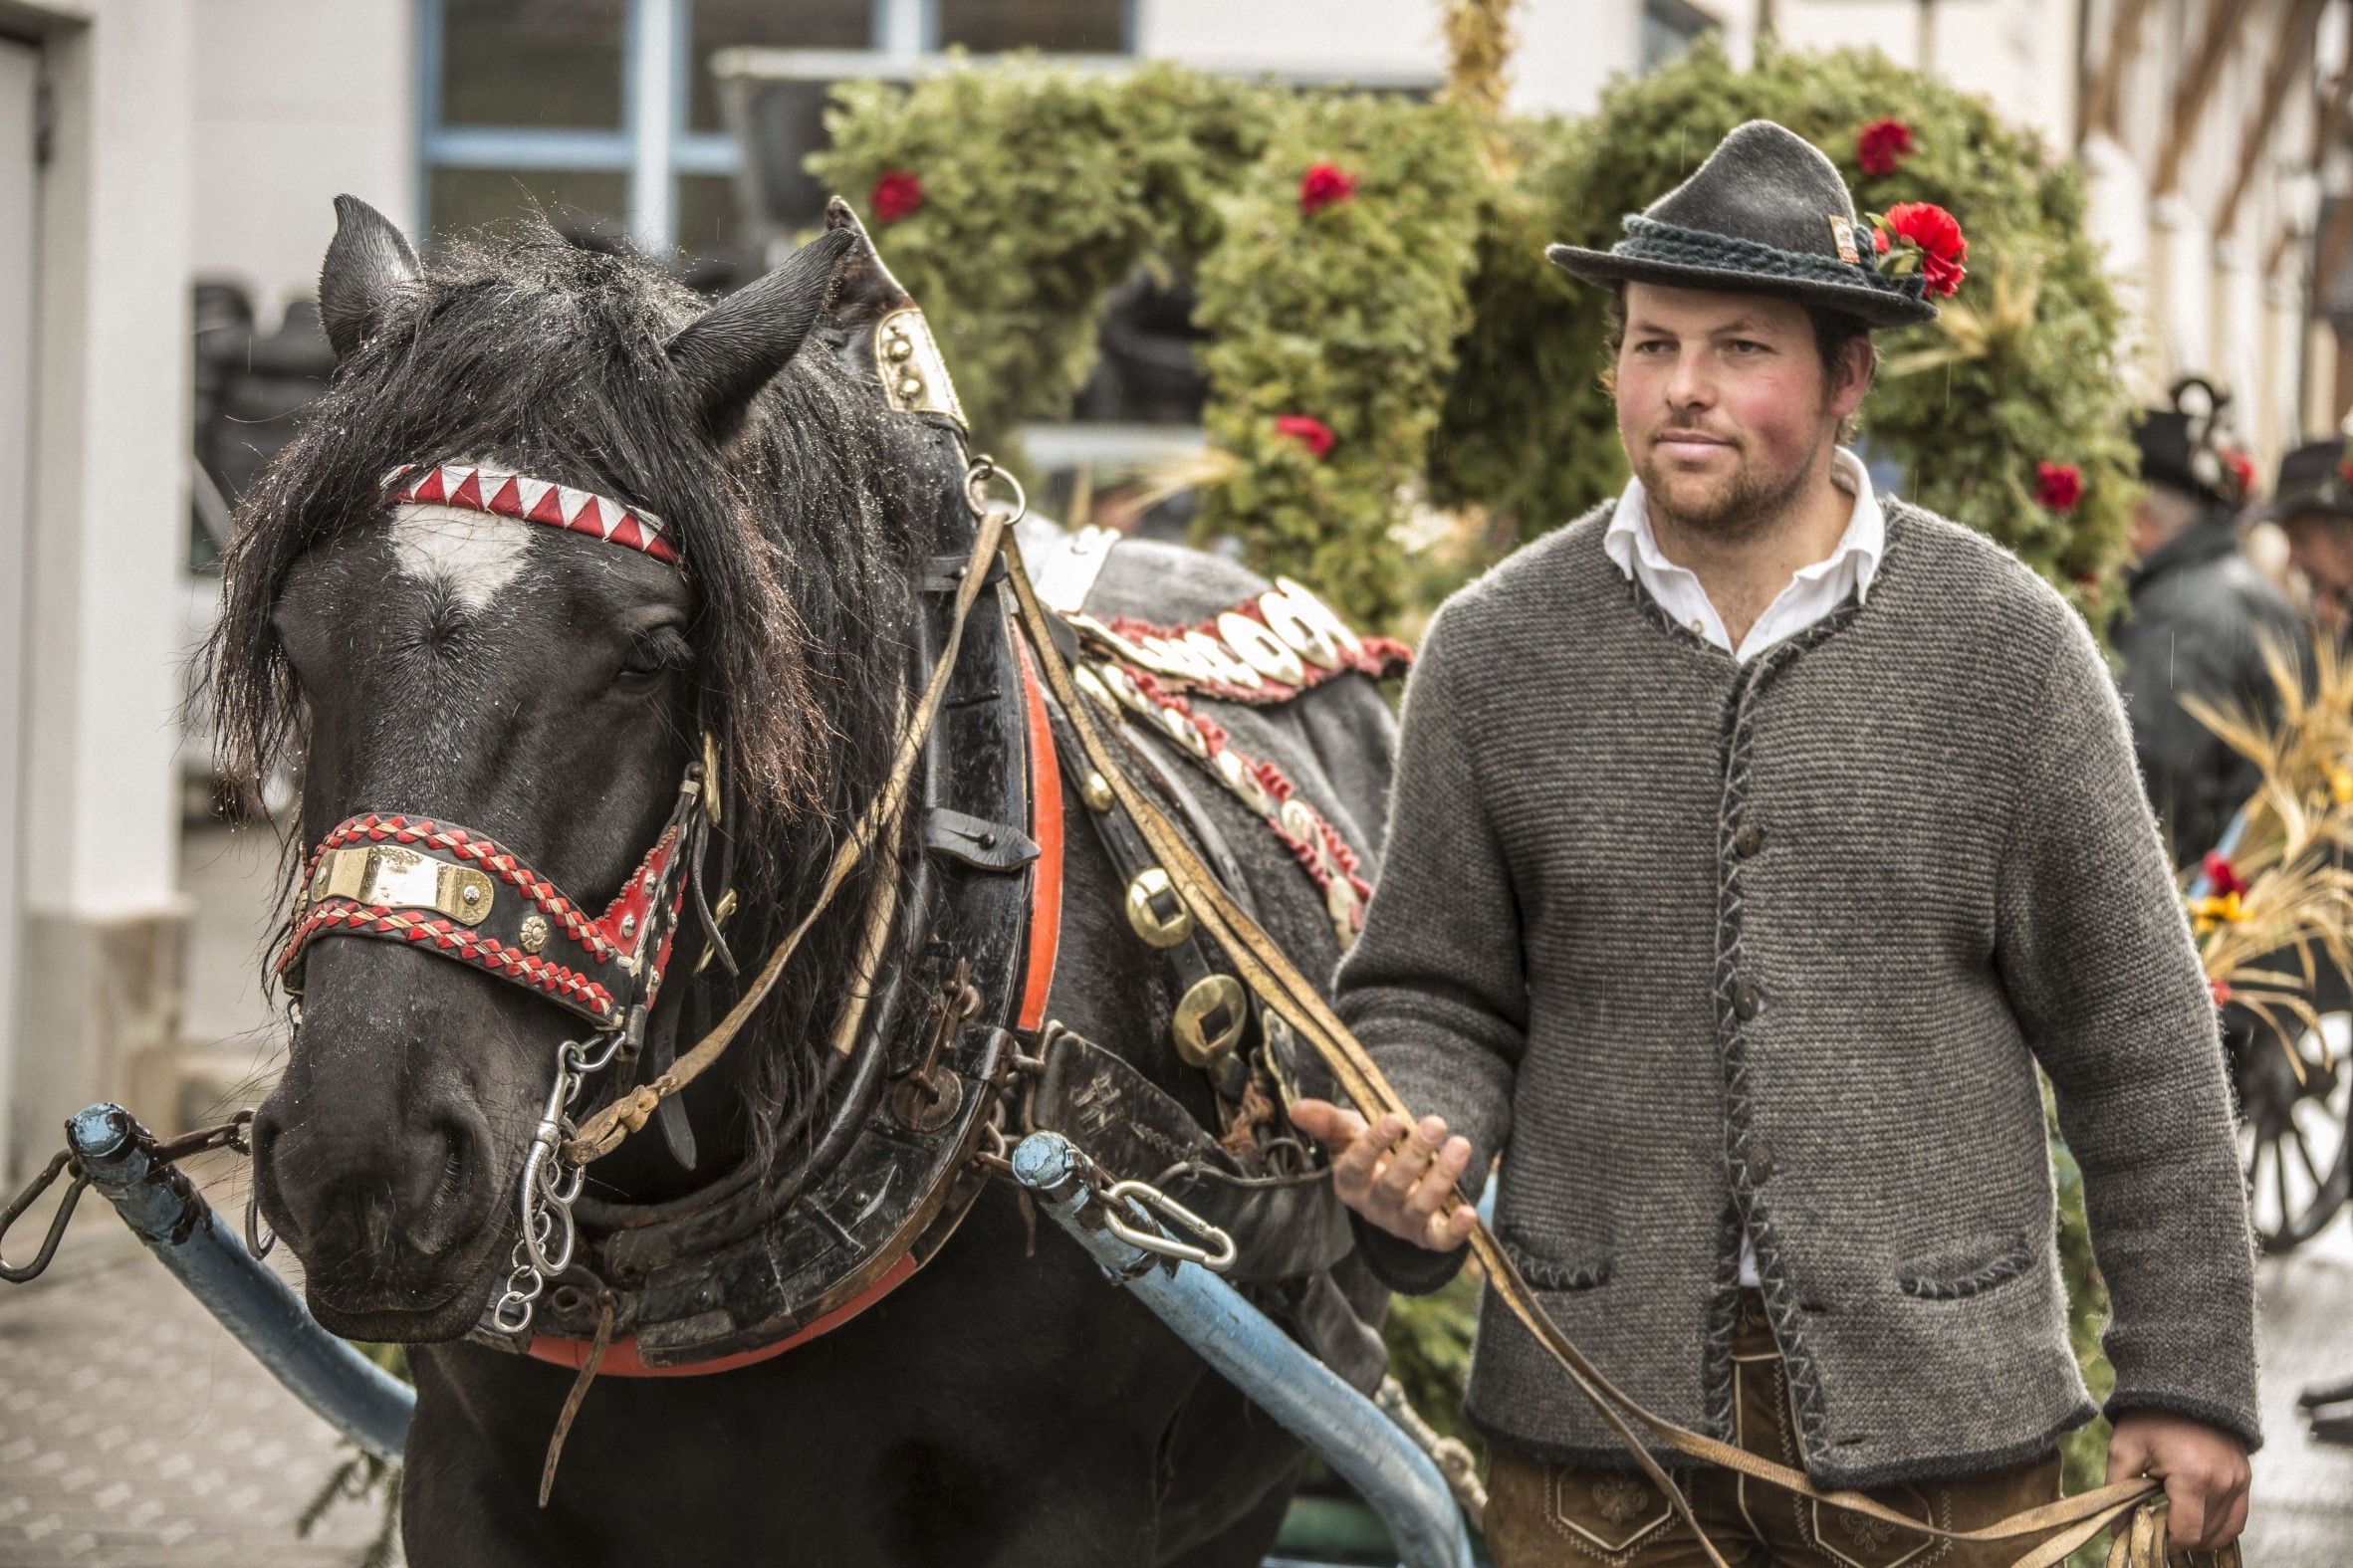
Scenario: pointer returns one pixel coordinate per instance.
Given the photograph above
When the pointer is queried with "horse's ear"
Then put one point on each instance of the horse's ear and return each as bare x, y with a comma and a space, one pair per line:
729, 352
366, 260
864, 292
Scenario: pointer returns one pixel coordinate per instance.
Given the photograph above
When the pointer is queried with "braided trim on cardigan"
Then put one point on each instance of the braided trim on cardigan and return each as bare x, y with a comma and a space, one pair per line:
1745, 1153
1647, 239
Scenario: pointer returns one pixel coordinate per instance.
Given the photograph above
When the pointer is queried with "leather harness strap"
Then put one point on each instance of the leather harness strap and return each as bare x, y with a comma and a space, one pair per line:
1289, 993
622, 1359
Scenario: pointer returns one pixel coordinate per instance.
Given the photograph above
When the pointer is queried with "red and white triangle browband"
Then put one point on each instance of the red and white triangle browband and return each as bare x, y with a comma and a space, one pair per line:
530, 500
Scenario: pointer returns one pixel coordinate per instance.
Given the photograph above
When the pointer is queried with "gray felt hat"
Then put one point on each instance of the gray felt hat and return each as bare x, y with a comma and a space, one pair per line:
1767, 214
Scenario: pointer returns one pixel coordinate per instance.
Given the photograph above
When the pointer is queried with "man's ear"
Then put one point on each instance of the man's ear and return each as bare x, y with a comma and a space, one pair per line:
1858, 363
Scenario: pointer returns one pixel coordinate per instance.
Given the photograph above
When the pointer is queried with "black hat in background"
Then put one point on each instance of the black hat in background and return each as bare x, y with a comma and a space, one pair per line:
2181, 446
2312, 478
1767, 213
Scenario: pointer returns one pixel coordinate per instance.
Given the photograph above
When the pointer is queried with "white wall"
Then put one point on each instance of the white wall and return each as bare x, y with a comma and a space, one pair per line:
296, 101
110, 511
1370, 40
1569, 50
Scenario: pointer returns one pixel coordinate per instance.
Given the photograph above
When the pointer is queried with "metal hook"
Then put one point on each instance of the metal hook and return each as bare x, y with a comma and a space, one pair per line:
256, 1244
20, 1273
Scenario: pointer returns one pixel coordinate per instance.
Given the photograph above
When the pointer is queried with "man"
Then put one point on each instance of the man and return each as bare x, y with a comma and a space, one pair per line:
2201, 611
1753, 840
2313, 506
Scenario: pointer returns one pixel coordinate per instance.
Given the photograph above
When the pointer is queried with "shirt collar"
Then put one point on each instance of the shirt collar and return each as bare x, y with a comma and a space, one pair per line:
1629, 533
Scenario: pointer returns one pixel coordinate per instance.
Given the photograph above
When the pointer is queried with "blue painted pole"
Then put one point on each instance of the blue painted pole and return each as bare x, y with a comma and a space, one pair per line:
1367, 1448
350, 1392
2202, 885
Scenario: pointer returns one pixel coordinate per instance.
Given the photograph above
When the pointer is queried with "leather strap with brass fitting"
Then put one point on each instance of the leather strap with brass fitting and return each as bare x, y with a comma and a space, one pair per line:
1213, 1009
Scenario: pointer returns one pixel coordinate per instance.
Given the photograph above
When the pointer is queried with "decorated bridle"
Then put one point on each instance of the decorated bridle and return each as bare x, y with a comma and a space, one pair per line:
445, 889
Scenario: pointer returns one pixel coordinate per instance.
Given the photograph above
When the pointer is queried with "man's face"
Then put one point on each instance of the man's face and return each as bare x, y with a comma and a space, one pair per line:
1722, 404
2321, 548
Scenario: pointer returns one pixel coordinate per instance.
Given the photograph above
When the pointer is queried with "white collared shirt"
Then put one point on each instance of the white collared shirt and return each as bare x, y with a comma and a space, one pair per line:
1812, 593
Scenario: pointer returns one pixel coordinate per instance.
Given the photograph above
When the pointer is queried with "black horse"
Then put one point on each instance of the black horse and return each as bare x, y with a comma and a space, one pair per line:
546, 689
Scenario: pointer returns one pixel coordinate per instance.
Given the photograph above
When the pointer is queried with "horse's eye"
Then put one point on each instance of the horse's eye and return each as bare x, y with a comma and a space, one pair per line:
653, 653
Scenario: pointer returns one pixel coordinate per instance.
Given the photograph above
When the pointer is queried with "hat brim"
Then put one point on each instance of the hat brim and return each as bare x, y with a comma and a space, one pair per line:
2280, 507
1870, 306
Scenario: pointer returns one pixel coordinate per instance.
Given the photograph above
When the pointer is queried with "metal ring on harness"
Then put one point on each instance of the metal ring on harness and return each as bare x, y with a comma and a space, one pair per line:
1217, 1257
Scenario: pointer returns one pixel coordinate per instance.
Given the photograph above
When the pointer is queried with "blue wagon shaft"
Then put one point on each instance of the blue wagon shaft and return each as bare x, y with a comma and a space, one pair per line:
1351, 1434
110, 1151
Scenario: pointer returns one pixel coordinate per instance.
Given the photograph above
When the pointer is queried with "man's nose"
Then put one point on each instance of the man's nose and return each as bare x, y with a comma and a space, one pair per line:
1689, 384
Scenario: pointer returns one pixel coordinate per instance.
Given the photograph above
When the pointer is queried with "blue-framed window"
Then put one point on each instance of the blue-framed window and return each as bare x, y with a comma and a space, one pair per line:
609, 106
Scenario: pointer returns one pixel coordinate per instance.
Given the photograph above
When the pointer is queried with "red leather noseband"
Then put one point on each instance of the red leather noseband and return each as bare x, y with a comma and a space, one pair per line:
462, 896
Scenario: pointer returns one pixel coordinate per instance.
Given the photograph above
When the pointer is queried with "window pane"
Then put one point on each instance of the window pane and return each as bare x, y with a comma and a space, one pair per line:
532, 63
465, 199
770, 24
787, 123
707, 214
1068, 27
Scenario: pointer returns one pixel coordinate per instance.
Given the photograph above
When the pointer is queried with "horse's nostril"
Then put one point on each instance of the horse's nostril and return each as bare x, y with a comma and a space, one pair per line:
453, 1207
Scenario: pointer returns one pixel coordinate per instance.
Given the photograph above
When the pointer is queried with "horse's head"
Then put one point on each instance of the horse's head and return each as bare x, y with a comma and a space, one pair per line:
547, 688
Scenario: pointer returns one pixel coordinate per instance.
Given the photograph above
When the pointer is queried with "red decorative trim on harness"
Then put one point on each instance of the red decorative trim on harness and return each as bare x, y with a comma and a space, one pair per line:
602, 950
508, 495
1378, 657
623, 1361
1315, 844
1045, 829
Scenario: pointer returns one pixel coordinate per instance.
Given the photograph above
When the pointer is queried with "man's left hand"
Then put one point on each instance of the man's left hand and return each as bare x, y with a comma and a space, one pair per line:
2204, 1468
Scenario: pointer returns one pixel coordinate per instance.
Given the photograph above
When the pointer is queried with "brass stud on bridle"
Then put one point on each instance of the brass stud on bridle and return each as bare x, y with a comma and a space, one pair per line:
1158, 915
1209, 1021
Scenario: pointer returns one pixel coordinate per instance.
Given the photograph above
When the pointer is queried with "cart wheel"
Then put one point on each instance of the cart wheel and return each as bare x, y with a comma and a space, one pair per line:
2299, 1163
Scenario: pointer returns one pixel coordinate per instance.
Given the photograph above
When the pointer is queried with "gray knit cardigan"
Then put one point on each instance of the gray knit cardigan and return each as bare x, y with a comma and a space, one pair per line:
1695, 944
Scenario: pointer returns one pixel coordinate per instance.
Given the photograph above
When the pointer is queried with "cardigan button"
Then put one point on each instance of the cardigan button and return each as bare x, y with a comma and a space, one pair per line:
1747, 1001
1762, 1167
1748, 840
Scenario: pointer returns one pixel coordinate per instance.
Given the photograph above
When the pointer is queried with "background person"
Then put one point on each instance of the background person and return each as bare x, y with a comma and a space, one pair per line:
1753, 840
2199, 612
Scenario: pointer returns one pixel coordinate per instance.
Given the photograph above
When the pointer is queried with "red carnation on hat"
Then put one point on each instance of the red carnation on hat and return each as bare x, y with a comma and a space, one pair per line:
2221, 878
2243, 470
1932, 232
1323, 184
2057, 485
1308, 430
1882, 144
896, 195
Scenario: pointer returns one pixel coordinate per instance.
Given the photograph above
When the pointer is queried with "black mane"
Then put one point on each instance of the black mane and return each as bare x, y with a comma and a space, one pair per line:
538, 355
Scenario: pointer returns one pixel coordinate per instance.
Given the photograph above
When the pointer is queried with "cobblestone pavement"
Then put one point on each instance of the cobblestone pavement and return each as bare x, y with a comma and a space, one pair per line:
135, 1434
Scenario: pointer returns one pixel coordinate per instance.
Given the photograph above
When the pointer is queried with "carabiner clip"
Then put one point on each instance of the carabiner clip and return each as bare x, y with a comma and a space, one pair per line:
1217, 1257
22, 1274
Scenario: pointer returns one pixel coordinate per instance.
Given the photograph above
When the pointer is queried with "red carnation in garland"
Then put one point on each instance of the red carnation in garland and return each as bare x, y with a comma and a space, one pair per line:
2221, 878
1308, 430
1933, 232
896, 195
1882, 144
1323, 184
2057, 485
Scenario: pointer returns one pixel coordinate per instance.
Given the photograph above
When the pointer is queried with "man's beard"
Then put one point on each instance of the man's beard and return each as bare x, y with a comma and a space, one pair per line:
1751, 503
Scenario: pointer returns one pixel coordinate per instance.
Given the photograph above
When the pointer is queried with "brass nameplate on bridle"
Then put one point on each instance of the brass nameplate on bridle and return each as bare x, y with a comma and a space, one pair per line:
397, 878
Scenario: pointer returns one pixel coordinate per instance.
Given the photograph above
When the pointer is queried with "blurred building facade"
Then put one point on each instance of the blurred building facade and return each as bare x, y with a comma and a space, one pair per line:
165, 170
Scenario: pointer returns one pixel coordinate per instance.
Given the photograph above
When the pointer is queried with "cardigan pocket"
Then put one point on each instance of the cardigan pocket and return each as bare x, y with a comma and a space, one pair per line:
1959, 1273
1556, 1269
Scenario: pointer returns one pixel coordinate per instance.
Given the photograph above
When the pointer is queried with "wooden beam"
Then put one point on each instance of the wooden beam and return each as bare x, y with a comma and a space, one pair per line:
2101, 101
2224, 21
2290, 53
2327, 124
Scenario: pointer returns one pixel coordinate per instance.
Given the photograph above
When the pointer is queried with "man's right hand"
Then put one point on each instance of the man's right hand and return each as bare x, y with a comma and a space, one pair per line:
1399, 1179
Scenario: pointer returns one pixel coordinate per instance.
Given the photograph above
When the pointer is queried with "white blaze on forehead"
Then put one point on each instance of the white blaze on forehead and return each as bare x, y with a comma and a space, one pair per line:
472, 553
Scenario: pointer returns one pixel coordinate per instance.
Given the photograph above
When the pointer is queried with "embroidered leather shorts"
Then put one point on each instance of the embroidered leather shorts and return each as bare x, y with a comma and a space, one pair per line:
1543, 1516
